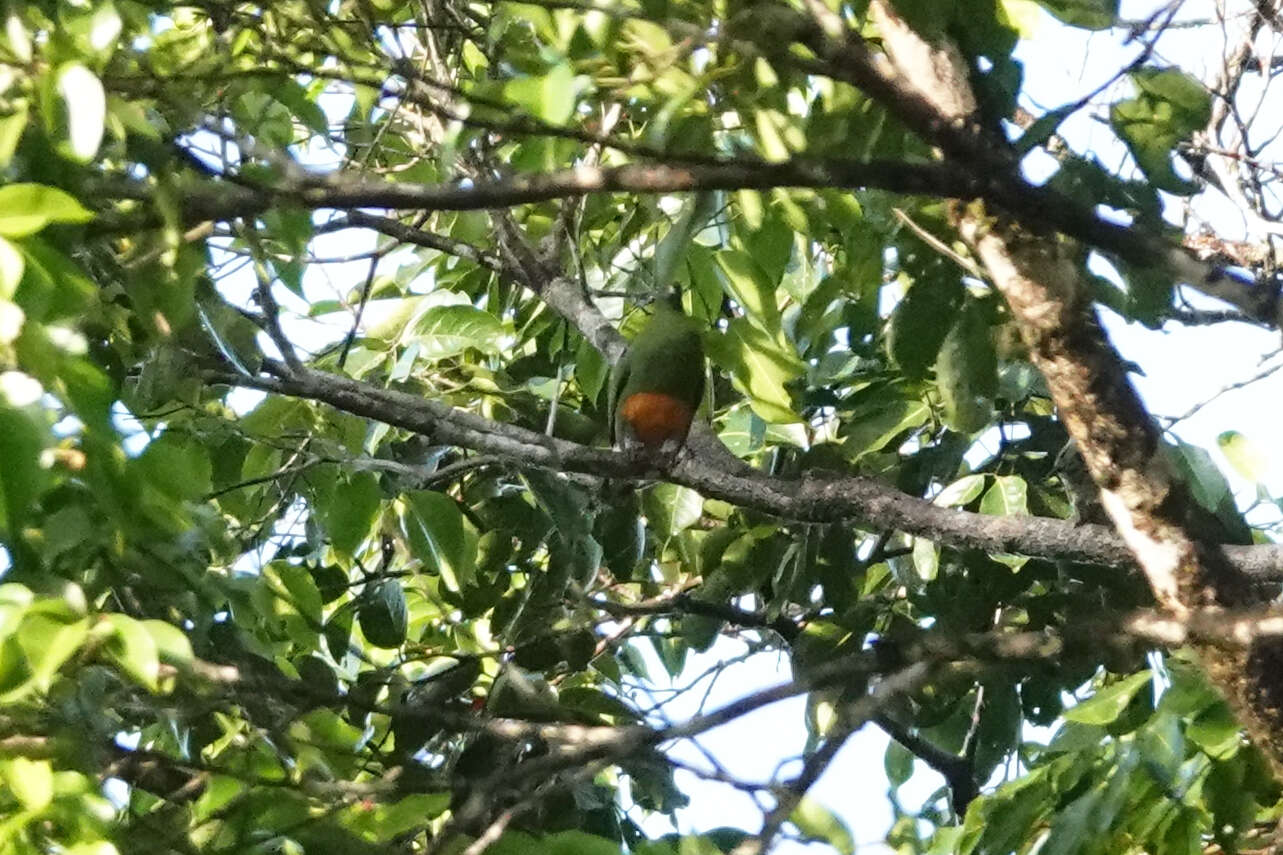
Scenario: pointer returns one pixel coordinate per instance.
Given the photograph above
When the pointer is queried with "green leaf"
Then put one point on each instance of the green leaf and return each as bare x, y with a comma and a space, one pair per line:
133, 648
30, 782
48, 641
11, 267
14, 600
447, 331
12, 128
1209, 488
961, 492
1042, 129
1088, 14
383, 615
53, 286
565, 503
622, 536
871, 427
178, 465
591, 370
550, 97
671, 508
296, 98
560, 843
674, 248
96, 847
172, 644
1162, 747
383, 822
436, 530
1108, 704
338, 631
921, 321
21, 476
349, 512
1169, 107
967, 371
15, 670
747, 284
898, 763
594, 701
767, 124
760, 368
1071, 830
1149, 294
1216, 731
27, 208
1009, 496
816, 822
86, 102
1188, 692
1248, 459
300, 589
926, 559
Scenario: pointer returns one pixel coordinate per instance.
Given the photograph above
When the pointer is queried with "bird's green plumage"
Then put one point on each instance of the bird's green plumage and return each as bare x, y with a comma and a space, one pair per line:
665, 357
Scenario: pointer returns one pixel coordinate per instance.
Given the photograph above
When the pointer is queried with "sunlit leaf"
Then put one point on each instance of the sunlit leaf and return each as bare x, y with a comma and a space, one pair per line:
1248, 459
1008, 496
27, 208
1169, 107
1108, 703
760, 367
446, 331
550, 96
961, 492
134, 649
86, 103
817, 822
11, 267
30, 781
671, 508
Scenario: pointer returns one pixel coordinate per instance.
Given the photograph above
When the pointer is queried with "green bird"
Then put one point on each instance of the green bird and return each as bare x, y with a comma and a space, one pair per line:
658, 383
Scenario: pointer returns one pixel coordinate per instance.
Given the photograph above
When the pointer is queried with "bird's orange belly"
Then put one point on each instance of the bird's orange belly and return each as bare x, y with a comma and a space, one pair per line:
656, 418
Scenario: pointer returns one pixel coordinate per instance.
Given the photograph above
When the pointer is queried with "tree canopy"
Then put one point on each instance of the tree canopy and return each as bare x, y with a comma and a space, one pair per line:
311, 533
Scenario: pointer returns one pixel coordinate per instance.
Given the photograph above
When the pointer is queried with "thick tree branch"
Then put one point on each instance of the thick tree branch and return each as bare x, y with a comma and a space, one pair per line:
222, 200
940, 117
1038, 206
814, 498
1102, 412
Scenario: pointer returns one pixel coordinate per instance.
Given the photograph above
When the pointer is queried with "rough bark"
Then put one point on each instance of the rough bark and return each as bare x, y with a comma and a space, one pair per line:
1100, 408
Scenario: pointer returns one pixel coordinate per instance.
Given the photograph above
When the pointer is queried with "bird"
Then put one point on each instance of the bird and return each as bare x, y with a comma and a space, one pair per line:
657, 385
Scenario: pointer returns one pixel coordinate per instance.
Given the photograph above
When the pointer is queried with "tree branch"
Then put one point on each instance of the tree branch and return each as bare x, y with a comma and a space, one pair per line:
816, 497
1101, 410
956, 770
1040, 206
